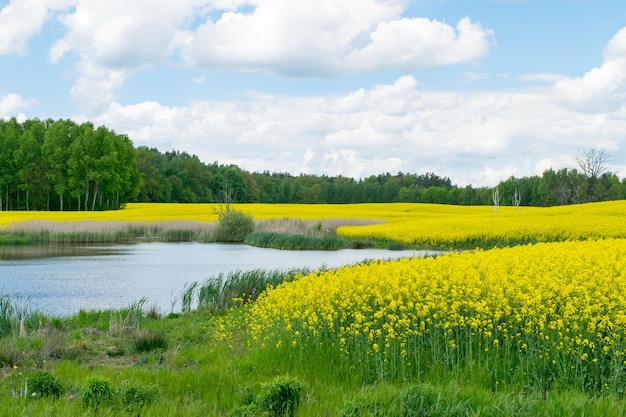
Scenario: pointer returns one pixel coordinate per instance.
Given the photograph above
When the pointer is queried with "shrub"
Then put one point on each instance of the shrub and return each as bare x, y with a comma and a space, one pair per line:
44, 384
234, 226
98, 392
282, 396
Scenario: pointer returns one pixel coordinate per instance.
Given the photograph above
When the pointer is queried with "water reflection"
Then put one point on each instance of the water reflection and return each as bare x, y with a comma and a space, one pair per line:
61, 280
53, 251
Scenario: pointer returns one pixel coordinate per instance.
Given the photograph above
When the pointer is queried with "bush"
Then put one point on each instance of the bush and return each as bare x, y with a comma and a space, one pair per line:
282, 396
234, 226
44, 384
98, 392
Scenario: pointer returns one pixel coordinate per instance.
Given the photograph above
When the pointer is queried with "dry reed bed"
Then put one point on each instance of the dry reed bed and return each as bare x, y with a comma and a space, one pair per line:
169, 230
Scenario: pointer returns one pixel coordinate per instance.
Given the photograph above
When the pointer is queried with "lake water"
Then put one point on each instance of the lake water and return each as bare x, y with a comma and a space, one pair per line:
60, 280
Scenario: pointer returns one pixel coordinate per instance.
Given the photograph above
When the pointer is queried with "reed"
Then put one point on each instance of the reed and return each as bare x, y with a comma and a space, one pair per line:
91, 231
308, 227
317, 234
298, 234
225, 291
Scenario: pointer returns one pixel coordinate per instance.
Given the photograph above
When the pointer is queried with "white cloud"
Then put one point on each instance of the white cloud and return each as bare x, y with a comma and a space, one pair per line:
421, 43
328, 37
616, 48
11, 104
305, 37
115, 39
20, 20
475, 137
603, 88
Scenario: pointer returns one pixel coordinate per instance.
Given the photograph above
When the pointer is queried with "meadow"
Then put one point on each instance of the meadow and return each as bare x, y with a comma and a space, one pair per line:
527, 318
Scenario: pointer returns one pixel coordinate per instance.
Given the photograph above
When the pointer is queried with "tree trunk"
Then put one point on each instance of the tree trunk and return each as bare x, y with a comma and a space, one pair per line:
95, 195
86, 196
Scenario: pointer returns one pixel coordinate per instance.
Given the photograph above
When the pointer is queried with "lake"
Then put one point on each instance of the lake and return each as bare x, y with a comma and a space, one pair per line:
61, 280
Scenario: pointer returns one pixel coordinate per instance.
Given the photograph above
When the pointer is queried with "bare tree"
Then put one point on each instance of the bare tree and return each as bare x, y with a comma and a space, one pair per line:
592, 163
225, 200
495, 197
517, 199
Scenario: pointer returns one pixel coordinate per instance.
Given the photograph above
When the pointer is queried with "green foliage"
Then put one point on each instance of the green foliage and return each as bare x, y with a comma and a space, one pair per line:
98, 392
234, 226
44, 384
225, 291
136, 396
282, 396
13, 240
412, 401
370, 402
247, 410
6, 315
60, 165
147, 340
297, 242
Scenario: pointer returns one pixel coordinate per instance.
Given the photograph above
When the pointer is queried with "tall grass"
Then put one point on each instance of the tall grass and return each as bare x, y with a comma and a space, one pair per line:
89, 231
296, 234
225, 291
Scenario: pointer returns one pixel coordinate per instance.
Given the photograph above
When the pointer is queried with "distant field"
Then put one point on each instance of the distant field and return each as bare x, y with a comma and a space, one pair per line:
423, 225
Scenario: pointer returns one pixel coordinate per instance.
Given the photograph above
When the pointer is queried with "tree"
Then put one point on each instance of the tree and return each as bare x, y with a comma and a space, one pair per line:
592, 163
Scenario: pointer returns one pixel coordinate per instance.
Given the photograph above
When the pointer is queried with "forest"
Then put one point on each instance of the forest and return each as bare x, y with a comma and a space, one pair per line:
62, 165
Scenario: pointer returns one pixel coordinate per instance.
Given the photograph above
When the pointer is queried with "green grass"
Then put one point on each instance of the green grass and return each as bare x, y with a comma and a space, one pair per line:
222, 292
135, 362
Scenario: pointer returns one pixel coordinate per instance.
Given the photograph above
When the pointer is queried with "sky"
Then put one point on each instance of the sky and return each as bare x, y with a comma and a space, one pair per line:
475, 90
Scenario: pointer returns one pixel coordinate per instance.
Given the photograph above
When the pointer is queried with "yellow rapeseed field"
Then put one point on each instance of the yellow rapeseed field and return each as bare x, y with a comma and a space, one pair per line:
466, 227
424, 225
535, 313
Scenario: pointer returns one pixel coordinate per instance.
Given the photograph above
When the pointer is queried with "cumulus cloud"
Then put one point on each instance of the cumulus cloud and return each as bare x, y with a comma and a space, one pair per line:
115, 39
603, 88
111, 41
329, 37
475, 137
20, 20
421, 43
11, 104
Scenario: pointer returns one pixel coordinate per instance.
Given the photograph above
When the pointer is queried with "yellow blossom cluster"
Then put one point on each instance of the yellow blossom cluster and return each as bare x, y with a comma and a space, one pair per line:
545, 311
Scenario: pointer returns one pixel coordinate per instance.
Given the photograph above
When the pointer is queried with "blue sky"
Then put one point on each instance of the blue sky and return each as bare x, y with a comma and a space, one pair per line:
477, 90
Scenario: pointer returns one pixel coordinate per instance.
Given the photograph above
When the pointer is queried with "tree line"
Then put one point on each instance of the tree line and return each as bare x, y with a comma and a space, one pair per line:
62, 165
180, 177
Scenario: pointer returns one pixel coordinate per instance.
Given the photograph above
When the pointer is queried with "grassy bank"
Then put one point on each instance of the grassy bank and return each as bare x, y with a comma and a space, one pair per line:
142, 362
